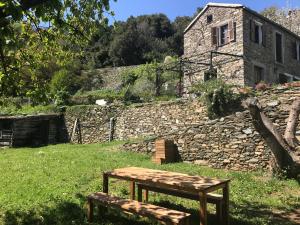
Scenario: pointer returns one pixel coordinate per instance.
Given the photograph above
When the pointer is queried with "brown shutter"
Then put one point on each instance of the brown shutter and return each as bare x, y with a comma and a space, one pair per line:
264, 35
214, 36
231, 31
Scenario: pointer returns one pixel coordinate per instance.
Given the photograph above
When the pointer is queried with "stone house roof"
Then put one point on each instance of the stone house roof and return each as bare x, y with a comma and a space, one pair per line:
225, 5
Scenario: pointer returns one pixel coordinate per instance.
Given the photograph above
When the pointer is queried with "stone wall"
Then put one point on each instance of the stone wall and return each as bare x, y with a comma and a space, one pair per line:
230, 142
94, 122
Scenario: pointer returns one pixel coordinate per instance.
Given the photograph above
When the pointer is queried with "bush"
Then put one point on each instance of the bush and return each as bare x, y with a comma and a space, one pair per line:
144, 89
218, 97
61, 86
28, 109
90, 97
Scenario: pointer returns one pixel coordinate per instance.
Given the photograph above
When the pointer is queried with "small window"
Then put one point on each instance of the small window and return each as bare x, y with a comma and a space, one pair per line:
223, 34
258, 74
279, 48
209, 18
257, 34
298, 50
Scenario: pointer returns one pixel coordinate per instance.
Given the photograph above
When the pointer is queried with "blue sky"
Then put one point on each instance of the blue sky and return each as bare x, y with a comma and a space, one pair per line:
173, 8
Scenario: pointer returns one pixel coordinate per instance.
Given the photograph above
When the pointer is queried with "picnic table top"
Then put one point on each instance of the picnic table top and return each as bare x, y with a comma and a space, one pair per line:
168, 179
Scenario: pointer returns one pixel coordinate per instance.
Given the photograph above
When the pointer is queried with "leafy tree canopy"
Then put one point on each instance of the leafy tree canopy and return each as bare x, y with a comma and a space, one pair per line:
25, 46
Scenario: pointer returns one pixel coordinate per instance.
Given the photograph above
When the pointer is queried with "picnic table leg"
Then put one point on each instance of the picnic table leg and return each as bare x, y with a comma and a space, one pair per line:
140, 193
105, 182
226, 204
203, 208
90, 211
146, 195
132, 190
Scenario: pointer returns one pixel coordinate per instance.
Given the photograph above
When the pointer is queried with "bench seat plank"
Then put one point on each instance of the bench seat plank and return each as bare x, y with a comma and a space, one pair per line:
211, 197
142, 209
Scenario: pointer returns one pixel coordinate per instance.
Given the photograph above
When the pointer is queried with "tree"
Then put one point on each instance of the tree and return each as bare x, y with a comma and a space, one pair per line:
71, 24
287, 18
284, 148
176, 41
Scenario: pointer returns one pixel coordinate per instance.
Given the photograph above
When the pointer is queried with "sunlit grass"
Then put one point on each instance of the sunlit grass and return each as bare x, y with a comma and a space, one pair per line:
49, 185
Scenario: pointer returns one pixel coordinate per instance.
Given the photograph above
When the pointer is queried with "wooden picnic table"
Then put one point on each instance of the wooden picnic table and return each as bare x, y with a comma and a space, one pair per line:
175, 181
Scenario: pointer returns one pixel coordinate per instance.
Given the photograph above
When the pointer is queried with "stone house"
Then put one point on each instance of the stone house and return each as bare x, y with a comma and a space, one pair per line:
256, 48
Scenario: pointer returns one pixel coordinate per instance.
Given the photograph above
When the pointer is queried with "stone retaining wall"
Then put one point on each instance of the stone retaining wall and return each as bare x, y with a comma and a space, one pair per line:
230, 142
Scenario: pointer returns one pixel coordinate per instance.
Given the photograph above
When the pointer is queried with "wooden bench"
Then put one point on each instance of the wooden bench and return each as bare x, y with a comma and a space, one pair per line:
163, 215
211, 197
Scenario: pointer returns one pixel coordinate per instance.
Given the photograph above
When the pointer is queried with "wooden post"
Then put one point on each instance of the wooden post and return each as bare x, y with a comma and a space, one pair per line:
203, 208
79, 132
157, 81
74, 130
180, 87
132, 190
219, 212
90, 210
140, 193
226, 204
146, 195
105, 182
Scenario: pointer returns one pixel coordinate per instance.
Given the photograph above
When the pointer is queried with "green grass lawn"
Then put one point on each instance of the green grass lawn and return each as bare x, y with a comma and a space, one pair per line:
49, 186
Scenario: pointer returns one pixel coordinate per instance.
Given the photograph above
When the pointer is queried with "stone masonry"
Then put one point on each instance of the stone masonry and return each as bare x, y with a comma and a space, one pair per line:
204, 35
230, 142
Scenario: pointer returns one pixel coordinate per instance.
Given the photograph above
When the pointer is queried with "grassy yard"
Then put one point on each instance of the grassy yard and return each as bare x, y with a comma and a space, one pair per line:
49, 185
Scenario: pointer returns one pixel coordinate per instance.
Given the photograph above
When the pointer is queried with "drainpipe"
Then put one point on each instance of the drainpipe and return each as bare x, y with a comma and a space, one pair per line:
111, 128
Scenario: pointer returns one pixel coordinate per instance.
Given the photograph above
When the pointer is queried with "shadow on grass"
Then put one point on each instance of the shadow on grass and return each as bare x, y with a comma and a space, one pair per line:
69, 213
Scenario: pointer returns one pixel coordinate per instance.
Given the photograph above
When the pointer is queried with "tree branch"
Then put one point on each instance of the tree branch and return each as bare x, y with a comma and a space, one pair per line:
286, 159
293, 120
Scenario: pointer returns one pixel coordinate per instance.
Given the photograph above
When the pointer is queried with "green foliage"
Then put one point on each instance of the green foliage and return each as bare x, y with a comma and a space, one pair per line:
139, 40
49, 186
28, 109
60, 86
151, 80
30, 55
218, 97
90, 97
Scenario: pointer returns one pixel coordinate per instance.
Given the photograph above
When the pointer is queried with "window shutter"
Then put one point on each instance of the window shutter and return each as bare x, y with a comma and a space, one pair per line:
214, 36
295, 50
231, 31
264, 35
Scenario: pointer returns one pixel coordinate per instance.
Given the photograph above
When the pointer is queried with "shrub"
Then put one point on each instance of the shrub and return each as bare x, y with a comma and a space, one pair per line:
144, 89
218, 97
261, 86
90, 97
61, 86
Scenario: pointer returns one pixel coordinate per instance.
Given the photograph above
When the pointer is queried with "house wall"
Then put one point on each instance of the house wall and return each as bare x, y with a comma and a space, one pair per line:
198, 39
264, 56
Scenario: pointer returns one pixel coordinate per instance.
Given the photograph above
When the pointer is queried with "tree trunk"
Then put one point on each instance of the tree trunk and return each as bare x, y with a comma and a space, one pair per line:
292, 123
286, 158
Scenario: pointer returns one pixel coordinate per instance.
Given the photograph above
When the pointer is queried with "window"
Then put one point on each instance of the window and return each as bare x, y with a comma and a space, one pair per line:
278, 47
223, 34
257, 33
258, 74
209, 18
298, 51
